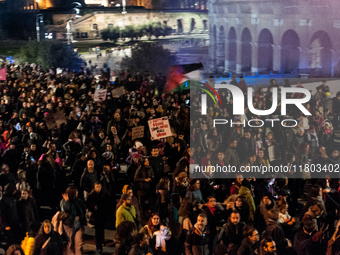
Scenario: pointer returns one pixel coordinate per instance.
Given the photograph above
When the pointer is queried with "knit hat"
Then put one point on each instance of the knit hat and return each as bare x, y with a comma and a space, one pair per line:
125, 189
138, 144
161, 145
125, 196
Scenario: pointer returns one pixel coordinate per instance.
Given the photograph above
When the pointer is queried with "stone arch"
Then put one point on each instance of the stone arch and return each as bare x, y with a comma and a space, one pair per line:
290, 53
265, 50
246, 50
220, 54
232, 49
320, 53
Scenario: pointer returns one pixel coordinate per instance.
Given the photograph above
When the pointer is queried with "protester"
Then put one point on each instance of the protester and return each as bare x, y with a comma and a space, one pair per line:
56, 134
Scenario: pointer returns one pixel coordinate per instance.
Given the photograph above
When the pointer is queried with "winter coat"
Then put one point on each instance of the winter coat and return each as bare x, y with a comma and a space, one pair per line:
101, 200
27, 212
275, 231
125, 213
135, 204
197, 243
88, 180
142, 173
157, 166
251, 204
54, 246
231, 235
45, 177
231, 157
246, 248
196, 194
27, 245
73, 209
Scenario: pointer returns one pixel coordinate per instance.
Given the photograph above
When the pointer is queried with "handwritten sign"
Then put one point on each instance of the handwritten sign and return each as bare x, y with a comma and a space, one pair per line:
59, 118
137, 132
100, 94
118, 92
160, 128
50, 121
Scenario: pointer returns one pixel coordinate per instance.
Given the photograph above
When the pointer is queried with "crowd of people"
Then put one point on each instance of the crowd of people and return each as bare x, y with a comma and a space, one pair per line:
73, 167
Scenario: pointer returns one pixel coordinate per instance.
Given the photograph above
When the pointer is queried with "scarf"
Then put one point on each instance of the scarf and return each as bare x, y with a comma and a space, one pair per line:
327, 130
212, 210
160, 239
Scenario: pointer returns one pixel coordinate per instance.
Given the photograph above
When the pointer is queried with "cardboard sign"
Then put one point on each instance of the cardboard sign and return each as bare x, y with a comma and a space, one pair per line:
99, 94
50, 121
59, 118
160, 128
118, 92
137, 132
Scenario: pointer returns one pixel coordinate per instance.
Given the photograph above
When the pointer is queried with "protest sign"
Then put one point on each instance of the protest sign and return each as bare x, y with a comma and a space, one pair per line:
160, 128
137, 132
50, 121
118, 92
100, 94
59, 118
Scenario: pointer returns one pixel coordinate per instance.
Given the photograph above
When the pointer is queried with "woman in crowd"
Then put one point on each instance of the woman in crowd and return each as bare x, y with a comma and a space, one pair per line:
193, 191
73, 225
48, 241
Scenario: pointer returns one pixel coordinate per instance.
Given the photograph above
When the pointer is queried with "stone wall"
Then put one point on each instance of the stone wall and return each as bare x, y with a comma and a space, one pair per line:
93, 23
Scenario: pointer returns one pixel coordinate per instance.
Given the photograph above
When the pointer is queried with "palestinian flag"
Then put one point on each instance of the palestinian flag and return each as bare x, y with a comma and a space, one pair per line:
180, 74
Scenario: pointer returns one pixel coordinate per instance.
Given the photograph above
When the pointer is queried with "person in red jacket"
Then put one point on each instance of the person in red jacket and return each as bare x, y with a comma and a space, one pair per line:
235, 186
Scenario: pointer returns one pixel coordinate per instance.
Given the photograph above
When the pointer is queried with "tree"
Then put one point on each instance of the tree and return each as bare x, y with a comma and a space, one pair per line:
157, 29
110, 34
129, 32
149, 56
49, 54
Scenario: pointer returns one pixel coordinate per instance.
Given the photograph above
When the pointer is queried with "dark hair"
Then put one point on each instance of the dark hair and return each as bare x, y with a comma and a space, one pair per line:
124, 230
164, 183
203, 215
41, 230
235, 211
71, 192
97, 183
33, 228
248, 232
138, 238
264, 244
152, 227
314, 191
210, 197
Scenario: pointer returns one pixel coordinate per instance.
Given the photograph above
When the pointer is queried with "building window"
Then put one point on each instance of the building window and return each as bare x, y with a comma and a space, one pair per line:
95, 26
110, 25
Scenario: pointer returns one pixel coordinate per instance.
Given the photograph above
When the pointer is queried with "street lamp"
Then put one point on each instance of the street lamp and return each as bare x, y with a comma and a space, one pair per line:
39, 19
